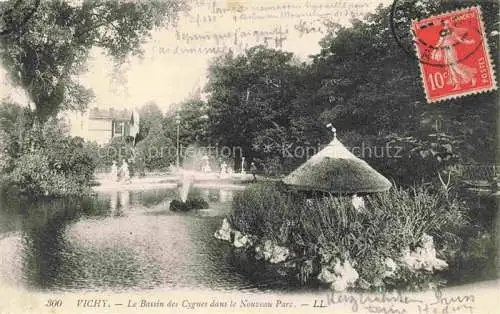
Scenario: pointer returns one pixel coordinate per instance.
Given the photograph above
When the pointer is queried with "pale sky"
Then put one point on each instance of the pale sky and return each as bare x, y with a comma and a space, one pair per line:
167, 77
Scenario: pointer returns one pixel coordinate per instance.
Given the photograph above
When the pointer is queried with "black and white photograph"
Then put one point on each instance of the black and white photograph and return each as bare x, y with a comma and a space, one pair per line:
284, 156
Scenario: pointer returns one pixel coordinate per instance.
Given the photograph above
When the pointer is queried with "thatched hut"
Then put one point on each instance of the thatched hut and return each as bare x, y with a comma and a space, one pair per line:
337, 171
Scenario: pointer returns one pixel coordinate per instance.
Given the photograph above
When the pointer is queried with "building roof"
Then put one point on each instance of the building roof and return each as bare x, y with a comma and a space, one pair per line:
336, 170
110, 114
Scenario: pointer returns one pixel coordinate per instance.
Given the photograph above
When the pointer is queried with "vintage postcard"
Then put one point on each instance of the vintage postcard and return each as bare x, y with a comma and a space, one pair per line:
284, 156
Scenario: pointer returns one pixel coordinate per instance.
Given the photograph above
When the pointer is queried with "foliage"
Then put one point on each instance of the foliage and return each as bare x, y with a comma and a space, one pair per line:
477, 258
94, 151
157, 144
417, 159
324, 228
272, 166
356, 79
250, 209
117, 150
156, 151
255, 102
157, 141
158, 154
194, 123
44, 55
52, 163
363, 82
151, 118
14, 121
35, 177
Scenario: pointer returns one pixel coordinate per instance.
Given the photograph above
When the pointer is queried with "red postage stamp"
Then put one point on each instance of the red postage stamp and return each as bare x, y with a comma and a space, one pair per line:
454, 55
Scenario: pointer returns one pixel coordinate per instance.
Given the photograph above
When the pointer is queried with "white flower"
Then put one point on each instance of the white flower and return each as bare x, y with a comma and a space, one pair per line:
423, 257
358, 202
238, 237
349, 272
280, 254
272, 252
243, 240
390, 266
224, 233
408, 258
326, 276
389, 263
343, 276
377, 282
268, 247
339, 285
427, 242
440, 264
259, 254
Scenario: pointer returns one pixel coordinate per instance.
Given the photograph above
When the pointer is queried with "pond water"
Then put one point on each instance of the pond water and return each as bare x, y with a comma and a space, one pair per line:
123, 241
120, 241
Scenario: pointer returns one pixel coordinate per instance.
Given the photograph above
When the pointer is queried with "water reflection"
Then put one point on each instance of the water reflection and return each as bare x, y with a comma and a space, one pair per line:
119, 202
40, 245
113, 242
225, 196
130, 241
43, 262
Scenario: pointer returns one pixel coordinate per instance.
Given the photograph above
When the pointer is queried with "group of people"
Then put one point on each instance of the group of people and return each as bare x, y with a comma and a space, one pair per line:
228, 171
225, 170
122, 173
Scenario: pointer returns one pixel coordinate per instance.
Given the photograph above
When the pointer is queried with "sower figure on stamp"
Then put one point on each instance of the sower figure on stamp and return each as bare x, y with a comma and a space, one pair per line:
445, 51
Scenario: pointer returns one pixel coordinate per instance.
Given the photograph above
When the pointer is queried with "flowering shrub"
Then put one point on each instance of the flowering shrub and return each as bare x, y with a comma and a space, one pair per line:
272, 252
52, 164
339, 275
395, 242
423, 257
34, 176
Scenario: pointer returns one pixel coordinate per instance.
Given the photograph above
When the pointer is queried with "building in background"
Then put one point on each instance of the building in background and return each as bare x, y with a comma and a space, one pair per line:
102, 125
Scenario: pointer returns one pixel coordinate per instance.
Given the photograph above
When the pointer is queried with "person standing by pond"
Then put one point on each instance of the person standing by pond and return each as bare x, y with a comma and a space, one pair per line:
114, 172
124, 172
253, 171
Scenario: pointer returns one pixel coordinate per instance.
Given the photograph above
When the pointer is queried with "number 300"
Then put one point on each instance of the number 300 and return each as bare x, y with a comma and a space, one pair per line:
53, 303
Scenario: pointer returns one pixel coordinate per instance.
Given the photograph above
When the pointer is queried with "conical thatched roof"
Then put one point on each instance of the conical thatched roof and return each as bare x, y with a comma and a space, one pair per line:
336, 170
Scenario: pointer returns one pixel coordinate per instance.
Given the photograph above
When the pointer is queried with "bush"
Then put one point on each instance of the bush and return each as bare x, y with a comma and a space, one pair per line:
260, 207
324, 229
34, 176
52, 164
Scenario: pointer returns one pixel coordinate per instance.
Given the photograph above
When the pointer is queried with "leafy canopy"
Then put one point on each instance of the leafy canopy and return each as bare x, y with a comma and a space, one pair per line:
45, 54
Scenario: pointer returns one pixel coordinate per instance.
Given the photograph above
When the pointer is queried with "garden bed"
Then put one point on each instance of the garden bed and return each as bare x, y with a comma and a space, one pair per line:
402, 239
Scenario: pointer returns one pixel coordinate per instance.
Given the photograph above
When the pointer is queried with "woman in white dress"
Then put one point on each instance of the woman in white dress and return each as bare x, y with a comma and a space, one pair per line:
125, 174
113, 175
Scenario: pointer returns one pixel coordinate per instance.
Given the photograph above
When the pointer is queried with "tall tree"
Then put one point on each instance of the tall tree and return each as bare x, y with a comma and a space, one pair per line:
256, 102
194, 123
14, 121
371, 86
45, 53
150, 117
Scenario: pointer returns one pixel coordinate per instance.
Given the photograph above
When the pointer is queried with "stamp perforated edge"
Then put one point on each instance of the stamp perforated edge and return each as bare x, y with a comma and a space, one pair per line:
487, 52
